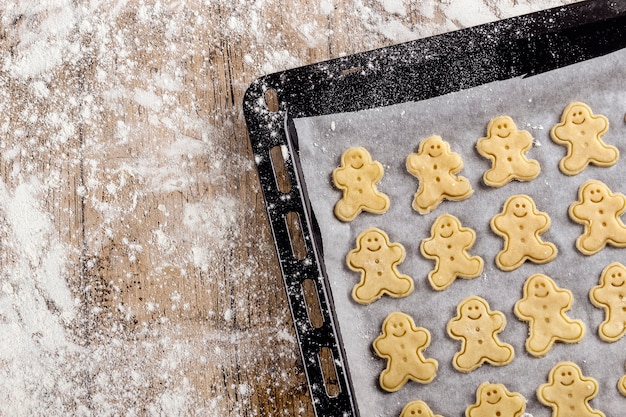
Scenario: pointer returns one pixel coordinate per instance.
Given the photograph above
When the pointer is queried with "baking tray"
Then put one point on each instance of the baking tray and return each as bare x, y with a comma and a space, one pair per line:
411, 72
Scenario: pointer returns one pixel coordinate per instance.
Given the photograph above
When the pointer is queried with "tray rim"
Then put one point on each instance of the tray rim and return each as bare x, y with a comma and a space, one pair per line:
531, 44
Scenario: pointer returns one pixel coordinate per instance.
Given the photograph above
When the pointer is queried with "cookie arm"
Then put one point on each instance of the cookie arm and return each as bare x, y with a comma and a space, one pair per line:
413, 163
497, 225
498, 320
523, 140
521, 311
485, 148
578, 212
599, 296
382, 345
428, 247
354, 260
455, 327
339, 178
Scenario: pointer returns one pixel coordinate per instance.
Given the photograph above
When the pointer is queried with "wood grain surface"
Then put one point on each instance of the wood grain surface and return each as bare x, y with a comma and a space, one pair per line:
128, 179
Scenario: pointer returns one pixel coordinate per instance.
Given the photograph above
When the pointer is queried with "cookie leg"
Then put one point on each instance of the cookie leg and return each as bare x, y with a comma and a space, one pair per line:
378, 202
621, 385
606, 155
571, 331
613, 329
426, 199
510, 258
538, 342
526, 170
345, 210
424, 371
542, 252
590, 242
501, 354
400, 285
618, 235
368, 290
440, 280
392, 379
470, 267
573, 163
458, 188
495, 175
467, 360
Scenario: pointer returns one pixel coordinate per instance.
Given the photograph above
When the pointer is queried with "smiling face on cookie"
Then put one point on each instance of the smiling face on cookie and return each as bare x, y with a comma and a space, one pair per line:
416, 409
356, 157
502, 127
519, 206
615, 276
372, 241
397, 324
566, 375
539, 286
434, 147
446, 226
491, 393
578, 115
594, 192
474, 309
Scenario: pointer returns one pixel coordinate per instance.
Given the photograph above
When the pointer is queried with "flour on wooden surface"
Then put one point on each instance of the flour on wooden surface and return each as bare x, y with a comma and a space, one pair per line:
76, 67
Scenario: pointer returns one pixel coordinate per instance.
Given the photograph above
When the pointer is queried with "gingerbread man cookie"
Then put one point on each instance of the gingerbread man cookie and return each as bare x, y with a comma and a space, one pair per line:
621, 385
598, 209
357, 178
568, 392
435, 167
580, 131
520, 224
543, 306
477, 327
506, 146
376, 259
447, 245
402, 343
610, 295
417, 409
495, 400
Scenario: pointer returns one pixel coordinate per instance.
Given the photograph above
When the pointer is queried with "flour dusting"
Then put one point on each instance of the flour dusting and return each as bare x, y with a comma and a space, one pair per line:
120, 144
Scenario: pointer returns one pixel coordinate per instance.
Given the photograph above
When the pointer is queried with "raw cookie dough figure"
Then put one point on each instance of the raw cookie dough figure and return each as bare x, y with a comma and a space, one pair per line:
447, 245
417, 409
402, 343
506, 147
610, 295
495, 400
476, 326
376, 259
543, 306
598, 209
357, 178
568, 392
434, 165
621, 385
580, 131
520, 224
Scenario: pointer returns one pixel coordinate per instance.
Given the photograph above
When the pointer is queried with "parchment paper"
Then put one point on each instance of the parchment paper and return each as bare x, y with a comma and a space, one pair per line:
461, 118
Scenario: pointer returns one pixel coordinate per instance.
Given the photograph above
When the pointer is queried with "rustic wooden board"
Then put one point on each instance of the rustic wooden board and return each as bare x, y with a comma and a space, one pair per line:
127, 178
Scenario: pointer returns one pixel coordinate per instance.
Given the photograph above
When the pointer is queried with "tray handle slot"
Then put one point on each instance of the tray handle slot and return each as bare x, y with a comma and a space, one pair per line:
296, 238
314, 308
271, 100
278, 154
329, 372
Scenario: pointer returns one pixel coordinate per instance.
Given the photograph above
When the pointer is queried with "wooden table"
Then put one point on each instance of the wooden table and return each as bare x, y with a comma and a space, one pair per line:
138, 270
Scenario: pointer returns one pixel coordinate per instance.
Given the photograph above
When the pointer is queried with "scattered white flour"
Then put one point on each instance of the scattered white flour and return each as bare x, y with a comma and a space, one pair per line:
107, 105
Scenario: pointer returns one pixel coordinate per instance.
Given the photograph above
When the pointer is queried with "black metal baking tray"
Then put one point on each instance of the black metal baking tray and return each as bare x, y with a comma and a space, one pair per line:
518, 47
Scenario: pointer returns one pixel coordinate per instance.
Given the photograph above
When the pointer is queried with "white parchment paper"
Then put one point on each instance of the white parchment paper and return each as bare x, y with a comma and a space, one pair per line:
461, 118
